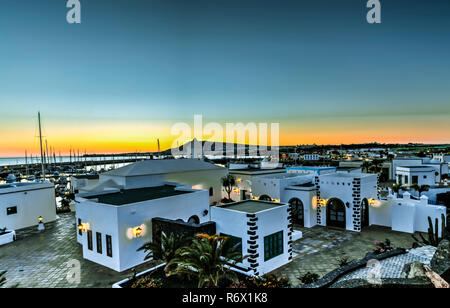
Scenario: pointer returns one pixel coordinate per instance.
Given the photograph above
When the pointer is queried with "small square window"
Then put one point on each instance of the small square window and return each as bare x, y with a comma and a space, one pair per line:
11, 210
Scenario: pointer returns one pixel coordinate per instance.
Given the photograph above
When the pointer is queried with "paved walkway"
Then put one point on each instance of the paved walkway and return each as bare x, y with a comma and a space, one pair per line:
40, 259
393, 267
320, 249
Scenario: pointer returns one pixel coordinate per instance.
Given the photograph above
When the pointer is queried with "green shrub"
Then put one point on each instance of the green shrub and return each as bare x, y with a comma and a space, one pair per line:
308, 278
268, 281
147, 283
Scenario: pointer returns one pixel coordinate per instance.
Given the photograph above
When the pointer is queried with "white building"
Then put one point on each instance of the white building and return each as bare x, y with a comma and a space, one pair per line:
195, 173
21, 204
343, 199
332, 199
406, 214
299, 170
445, 158
245, 178
311, 157
113, 224
420, 175
272, 187
263, 230
83, 183
440, 168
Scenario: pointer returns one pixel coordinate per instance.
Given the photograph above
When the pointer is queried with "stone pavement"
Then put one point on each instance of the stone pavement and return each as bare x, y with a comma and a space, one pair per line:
392, 267
39, 259
321, 248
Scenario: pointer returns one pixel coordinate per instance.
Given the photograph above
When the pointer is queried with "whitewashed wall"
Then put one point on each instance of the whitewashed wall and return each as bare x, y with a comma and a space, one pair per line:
118, 221
32, 201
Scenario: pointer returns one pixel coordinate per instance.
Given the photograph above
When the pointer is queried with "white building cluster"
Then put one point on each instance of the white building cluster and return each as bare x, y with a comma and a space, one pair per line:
114, 217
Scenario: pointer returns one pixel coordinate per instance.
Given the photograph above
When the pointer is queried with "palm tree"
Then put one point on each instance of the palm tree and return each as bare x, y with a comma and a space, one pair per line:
365, 166
376, 165
166, 249
207, 260
228, 182
420, 188
396, 188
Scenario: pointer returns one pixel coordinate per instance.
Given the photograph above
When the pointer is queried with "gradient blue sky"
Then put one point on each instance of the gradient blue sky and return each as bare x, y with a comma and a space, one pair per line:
133, 68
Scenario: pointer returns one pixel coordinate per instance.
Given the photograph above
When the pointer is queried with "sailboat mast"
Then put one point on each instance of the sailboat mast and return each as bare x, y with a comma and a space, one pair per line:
40, 142
26, 163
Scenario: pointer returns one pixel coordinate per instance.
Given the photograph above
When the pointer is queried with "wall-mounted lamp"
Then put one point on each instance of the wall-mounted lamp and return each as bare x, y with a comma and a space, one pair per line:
137, 231
205, 212
322, 202
41, 226
83, 227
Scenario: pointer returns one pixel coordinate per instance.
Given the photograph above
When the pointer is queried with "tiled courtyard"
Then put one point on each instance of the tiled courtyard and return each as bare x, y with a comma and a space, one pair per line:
40, 259
321, 248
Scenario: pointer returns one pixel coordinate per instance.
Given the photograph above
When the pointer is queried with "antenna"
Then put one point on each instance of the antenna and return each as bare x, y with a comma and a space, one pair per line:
40, 142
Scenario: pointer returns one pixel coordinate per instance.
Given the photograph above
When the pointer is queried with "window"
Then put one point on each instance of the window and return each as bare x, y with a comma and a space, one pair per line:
415, 179
99, 242
232, 242
80, 232
424, 176
109, 246
211, 191
11, 210
89, 239
273, 245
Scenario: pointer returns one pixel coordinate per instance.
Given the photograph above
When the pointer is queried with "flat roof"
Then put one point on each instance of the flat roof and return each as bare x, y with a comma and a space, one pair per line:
311, 168
347, 175
423, 168
13, 185
87, 176
304, 185
129, 196
251, 170
162, 166
285, 176
251, 206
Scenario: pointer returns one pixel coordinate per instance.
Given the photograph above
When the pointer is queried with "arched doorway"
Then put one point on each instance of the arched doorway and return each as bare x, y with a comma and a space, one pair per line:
193, 220
297, 211
364, 213
336, 213
265, 198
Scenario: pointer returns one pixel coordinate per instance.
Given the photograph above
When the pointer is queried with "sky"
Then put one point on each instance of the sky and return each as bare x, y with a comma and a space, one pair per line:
132, 69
